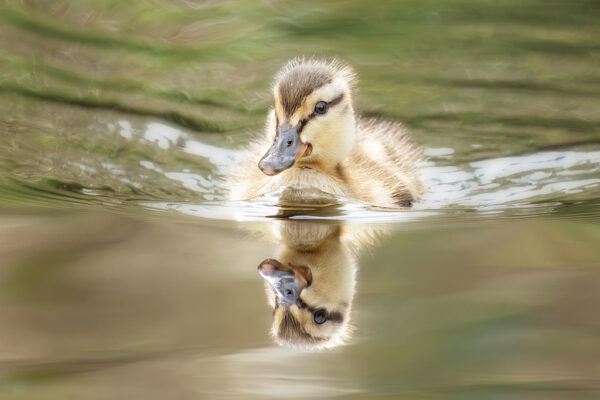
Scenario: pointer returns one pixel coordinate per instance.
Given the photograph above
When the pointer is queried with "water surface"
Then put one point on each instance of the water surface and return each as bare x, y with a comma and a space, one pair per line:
125, 273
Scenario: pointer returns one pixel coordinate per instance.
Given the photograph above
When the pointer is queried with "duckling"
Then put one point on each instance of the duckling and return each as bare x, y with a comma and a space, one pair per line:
317, 148
310, 285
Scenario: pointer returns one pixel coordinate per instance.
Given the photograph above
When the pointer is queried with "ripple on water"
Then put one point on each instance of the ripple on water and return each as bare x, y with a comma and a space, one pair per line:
161, 167
531, 181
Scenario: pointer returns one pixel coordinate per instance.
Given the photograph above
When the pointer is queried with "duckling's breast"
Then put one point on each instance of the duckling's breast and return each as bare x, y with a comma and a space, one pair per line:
309, 186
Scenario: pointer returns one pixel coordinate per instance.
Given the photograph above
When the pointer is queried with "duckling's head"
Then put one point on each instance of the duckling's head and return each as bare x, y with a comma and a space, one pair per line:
312, 122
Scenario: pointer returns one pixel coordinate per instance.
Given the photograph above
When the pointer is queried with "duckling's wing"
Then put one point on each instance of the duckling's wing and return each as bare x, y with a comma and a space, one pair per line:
384, 163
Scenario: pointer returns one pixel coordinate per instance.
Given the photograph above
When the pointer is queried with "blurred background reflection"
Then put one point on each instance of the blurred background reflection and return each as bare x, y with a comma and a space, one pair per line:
97, 305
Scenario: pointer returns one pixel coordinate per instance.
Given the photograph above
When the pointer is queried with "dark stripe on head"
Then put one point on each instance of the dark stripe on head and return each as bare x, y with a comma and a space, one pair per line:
312, 115
335, 316
336, 100
304, 121
332, 316
332, 103
291, 331
300, 82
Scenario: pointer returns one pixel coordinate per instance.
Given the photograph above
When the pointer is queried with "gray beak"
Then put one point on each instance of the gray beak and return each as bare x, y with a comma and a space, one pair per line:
286, 148
286, 281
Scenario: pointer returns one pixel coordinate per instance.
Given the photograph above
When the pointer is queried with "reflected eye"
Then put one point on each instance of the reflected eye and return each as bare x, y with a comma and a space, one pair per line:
320, 316
321, 107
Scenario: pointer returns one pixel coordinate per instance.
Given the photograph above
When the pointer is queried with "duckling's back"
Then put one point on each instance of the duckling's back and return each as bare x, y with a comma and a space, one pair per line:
382, 168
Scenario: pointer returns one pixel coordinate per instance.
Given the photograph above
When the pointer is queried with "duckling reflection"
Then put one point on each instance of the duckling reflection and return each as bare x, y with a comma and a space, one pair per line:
310, 283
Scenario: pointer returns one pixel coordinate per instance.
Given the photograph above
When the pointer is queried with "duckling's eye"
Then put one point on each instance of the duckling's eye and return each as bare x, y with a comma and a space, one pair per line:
320, 316
321, 107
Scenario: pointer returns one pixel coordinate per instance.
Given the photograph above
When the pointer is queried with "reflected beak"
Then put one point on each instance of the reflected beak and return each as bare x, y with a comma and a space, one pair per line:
286, 280
284, 151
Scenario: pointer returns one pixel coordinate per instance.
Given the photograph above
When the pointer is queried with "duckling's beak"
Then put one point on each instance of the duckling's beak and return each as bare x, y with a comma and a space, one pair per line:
286, 280
286, 148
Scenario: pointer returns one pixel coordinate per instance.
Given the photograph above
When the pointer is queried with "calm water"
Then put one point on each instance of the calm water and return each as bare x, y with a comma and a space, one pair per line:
125, 274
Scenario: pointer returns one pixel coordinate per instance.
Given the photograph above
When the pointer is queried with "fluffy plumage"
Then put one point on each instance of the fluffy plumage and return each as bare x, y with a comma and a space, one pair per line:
326, 250
365, 159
